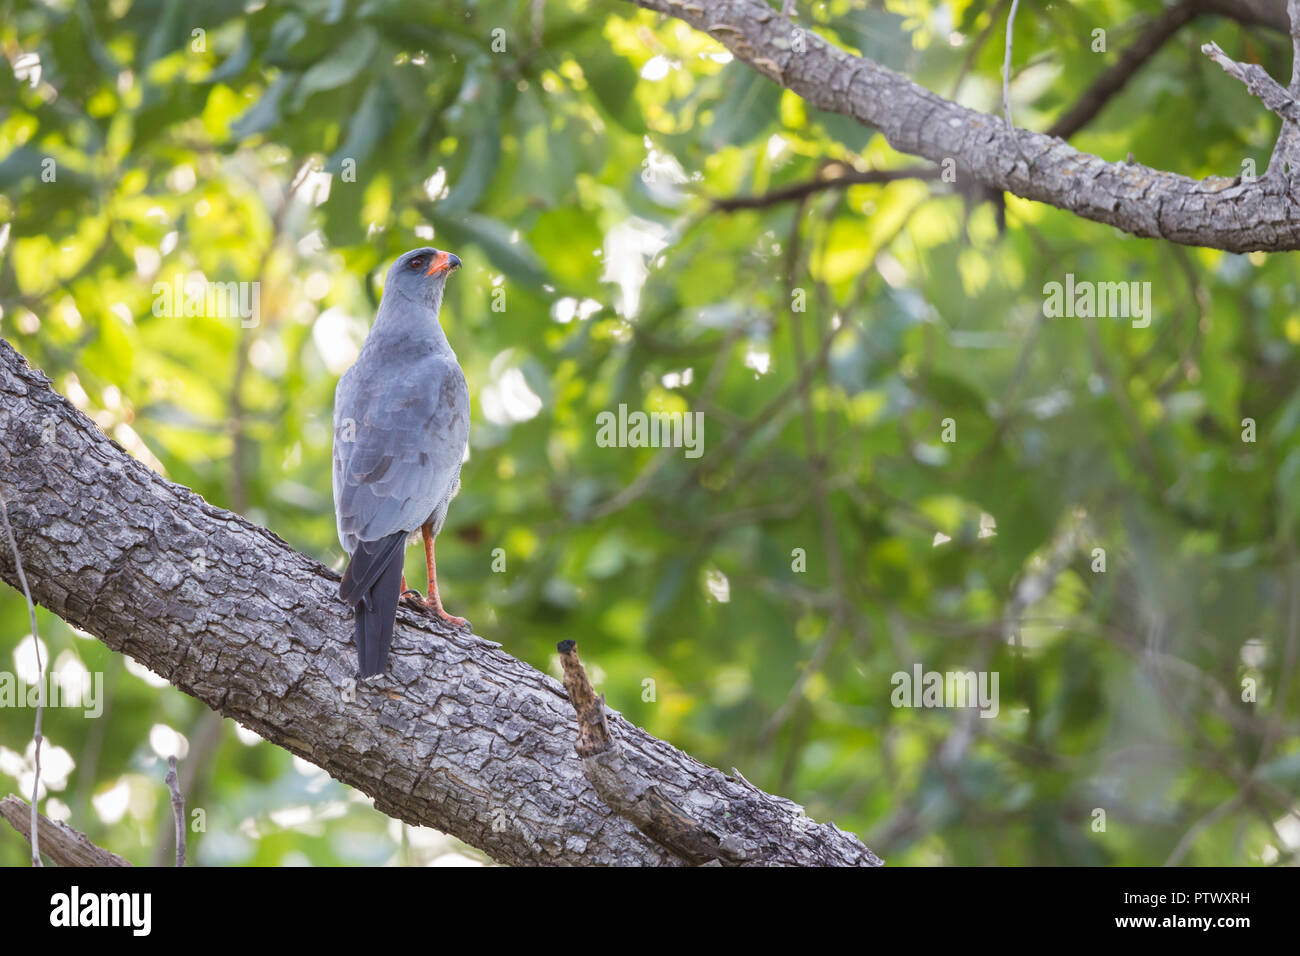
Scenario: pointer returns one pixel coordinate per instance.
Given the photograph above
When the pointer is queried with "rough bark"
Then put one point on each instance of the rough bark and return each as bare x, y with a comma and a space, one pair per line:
62, 844
1219, 213
627, 790
458, 735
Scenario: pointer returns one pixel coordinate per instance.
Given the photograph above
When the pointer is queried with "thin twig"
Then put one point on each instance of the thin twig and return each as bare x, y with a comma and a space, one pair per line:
1214, 816
800, 191
1267, 90
178, 809
40, 680
1293, 15
243, 351
204, 738
1286, 151
830, 539
1006, 64
975, 48
644, 480
1155, 34
737, 438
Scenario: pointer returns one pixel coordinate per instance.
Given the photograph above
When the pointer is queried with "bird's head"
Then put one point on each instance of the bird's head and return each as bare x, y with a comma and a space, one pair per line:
419, 275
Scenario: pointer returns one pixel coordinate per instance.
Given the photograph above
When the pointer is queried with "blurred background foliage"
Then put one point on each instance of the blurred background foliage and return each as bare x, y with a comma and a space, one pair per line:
571, 154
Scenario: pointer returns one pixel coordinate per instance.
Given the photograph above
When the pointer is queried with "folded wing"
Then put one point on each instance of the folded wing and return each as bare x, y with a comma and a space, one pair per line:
408, 428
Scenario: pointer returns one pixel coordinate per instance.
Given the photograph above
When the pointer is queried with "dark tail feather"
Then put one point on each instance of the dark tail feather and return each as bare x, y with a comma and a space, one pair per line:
369, 561
372, 584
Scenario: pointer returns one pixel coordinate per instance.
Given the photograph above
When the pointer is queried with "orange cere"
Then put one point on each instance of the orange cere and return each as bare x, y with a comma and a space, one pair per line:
441, 263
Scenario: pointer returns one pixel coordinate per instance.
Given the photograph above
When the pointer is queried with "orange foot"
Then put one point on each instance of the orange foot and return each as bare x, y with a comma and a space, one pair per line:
435, 606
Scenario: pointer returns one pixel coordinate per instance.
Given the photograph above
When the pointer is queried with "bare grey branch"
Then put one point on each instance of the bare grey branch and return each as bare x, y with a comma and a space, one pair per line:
457, 735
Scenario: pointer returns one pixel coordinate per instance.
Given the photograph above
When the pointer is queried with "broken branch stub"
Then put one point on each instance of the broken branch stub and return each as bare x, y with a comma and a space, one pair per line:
628, 791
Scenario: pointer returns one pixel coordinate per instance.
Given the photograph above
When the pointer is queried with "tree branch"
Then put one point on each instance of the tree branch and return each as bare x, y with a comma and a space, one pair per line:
1263, 13
1159, 31
628, 790
458, 735
1269, 91
1219, 213
62, 844
37, 737
178, 809
826, 179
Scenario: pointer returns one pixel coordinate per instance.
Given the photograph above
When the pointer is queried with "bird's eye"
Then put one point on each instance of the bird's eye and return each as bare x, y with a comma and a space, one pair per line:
417, 263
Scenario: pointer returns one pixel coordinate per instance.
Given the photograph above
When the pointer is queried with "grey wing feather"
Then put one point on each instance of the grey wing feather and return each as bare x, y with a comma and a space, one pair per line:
408, 426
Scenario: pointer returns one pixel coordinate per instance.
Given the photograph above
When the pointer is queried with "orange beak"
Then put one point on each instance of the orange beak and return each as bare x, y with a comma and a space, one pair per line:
441, 263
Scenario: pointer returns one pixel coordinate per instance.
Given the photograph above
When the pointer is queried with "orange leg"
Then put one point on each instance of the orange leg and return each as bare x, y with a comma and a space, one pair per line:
433, 601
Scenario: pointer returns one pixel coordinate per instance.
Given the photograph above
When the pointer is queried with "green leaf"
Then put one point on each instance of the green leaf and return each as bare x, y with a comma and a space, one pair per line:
236, 63
483, 159
877, 34
372, 120
566, 238
338, 67
19, 165
167, 36
265, 113
613, 80
286, 33
750, 106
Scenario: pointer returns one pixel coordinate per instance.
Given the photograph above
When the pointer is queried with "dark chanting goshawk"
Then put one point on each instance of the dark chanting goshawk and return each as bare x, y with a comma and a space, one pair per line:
401, 428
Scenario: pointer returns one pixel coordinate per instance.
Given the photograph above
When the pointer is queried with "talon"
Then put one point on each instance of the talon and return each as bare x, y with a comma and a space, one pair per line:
434, 606
411, 594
